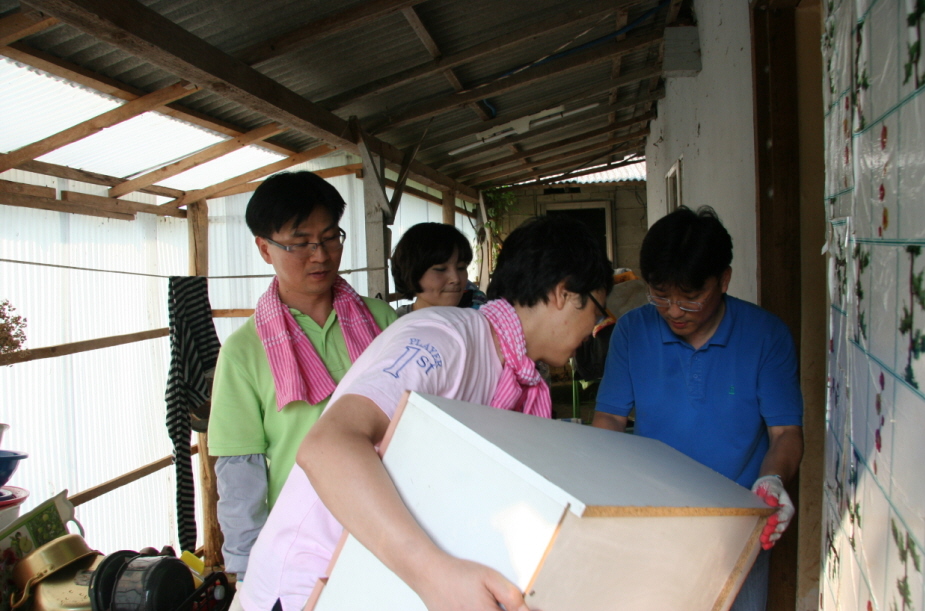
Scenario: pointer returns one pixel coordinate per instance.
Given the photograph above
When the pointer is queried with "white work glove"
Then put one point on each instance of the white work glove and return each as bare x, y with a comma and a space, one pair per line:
771, 490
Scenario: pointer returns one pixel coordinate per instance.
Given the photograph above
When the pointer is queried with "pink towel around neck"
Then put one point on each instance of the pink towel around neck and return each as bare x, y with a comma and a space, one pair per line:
298, 372
520, 383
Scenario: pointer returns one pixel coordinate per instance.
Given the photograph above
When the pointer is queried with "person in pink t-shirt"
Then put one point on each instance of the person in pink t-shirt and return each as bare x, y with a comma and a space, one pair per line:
545, 293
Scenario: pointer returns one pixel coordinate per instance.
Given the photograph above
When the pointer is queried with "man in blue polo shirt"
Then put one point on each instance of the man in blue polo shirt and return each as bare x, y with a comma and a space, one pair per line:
712, 376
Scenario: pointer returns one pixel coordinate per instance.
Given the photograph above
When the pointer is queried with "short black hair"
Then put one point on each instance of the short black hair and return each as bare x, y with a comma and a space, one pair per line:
544, 251
421, 247
290, 197
685, 248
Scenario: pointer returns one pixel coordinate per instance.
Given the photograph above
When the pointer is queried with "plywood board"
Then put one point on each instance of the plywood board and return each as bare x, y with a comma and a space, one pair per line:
578, 518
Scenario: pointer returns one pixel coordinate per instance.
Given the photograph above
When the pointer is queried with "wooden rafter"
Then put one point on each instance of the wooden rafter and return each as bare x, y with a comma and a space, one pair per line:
557, 125
352, 17
132, 27
582, 137
197, 159
120, 205
620, 21
23, 23
20, 188
125, 479
137, 29
45, 198
96, 124
559, 67
93, 178
33, 354
564, 160
414, 20
592, 93
277, 166
343, 170
40, 60
674, 7
519, 36
23, 200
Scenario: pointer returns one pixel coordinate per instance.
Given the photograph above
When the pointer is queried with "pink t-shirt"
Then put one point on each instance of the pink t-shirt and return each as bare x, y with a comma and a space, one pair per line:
448, 352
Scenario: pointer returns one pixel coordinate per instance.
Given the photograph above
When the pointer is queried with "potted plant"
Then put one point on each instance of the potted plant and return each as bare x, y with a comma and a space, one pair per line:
12, 329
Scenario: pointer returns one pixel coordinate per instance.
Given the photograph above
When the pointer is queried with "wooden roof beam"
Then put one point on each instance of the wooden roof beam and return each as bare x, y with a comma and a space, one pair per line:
343, 170
512, 38
582, 137
559, 67
196, 159
622, 18
120, 205
132, 27
93, 178
414, 20
556, 126
277, 166
617, 145
96, 124
593, 92
40, 60
104, 203
22, 23
352, 17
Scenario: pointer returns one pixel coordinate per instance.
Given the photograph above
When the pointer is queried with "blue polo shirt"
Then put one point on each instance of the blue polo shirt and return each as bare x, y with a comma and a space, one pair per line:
713, 404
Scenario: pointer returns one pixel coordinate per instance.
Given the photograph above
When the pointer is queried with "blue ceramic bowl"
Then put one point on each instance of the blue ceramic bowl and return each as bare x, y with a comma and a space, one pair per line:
9, 461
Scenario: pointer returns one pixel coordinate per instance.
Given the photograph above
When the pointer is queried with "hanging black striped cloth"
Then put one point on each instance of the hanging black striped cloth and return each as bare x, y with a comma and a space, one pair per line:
194, 349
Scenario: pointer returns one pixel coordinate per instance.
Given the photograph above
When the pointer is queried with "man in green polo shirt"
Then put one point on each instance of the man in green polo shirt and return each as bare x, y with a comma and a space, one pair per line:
275, 374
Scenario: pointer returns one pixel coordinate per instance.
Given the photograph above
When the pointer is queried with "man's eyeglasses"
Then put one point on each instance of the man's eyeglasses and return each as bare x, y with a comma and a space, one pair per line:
687, 306
307, 249
604, 315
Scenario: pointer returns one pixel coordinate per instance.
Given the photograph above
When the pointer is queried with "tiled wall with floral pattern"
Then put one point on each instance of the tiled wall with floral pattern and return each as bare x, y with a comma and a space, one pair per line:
874, 512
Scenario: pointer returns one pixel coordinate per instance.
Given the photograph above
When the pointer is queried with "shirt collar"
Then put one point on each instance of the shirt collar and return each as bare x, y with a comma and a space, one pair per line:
720, 336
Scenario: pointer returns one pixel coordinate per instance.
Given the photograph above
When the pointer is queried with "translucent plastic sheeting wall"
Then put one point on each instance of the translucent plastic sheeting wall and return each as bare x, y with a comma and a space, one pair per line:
90, 417
874, 520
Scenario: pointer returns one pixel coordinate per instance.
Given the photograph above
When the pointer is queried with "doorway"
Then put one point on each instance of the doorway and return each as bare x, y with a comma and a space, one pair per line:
596, 215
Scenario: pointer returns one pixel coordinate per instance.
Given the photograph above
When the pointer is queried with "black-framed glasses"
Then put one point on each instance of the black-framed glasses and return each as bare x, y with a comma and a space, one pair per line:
663, 303
307, 249
604, 315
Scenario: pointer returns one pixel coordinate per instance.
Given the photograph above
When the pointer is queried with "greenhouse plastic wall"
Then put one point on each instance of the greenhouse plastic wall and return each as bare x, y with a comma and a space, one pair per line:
90, 417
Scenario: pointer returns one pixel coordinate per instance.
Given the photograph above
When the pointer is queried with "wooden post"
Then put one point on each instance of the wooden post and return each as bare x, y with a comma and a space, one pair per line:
198, 231
449, 207
777, 160
197, 213
377, 238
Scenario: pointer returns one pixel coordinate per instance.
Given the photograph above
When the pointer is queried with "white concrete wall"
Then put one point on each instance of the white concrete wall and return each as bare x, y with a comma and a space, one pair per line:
708, 121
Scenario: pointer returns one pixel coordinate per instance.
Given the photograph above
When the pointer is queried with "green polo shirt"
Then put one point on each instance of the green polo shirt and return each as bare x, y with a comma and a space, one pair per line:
244, 418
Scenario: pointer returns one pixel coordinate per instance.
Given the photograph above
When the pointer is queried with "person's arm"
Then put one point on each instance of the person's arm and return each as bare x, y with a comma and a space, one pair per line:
611, 422
339, 457
784, 452
615, 392
780, 464
242, 506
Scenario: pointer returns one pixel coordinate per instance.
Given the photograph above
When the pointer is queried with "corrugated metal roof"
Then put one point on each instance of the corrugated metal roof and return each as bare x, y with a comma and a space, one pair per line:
627, 173
33, 110
331, 64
